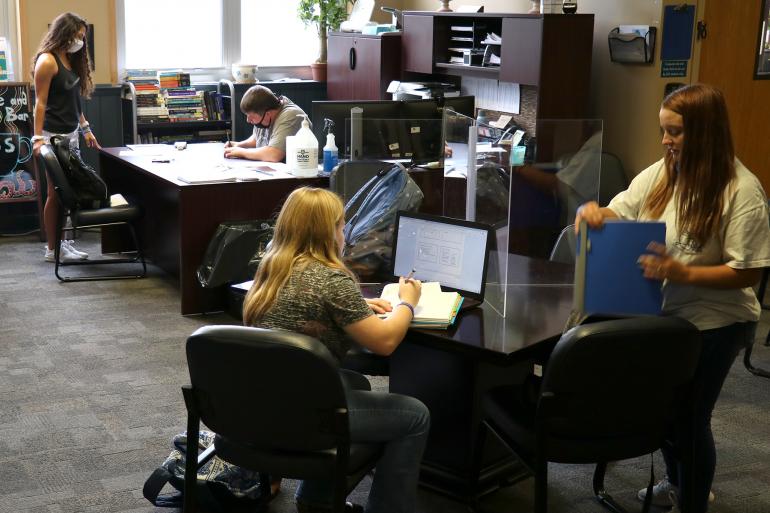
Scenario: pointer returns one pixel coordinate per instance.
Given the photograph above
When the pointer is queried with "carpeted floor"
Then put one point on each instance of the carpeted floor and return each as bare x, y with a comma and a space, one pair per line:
90, 377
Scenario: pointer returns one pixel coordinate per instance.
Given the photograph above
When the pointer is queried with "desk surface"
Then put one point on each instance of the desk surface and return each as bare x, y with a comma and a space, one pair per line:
196, 157
180, 218
539, 304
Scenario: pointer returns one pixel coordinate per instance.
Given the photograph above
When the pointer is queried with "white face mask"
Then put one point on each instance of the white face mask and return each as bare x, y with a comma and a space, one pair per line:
76, 45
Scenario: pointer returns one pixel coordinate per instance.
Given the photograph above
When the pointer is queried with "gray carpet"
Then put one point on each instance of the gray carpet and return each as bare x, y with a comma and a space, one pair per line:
90, 377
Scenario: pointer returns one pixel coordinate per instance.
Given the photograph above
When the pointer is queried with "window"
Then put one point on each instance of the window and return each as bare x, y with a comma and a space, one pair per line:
273, 35
172, 34
212, 34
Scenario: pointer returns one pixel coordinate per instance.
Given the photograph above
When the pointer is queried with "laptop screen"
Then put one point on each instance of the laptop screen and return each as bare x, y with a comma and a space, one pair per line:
450, 251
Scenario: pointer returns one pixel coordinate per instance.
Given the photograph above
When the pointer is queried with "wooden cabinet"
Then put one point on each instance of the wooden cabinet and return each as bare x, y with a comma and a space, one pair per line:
361, 67
550, 52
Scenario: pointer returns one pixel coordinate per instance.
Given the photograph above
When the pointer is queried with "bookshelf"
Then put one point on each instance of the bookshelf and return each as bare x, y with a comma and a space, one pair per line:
177, 112
547, 55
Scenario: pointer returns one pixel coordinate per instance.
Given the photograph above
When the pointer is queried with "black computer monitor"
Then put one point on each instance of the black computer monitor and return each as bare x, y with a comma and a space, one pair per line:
419, 139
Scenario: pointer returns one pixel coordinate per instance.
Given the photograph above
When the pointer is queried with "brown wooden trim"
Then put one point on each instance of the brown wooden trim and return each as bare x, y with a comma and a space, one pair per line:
23, 29
113, 38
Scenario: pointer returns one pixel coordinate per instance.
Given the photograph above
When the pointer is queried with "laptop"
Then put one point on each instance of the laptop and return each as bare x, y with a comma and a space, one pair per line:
453, 252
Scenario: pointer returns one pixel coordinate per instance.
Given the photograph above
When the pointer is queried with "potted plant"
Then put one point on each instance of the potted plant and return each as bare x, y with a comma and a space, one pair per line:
326, 15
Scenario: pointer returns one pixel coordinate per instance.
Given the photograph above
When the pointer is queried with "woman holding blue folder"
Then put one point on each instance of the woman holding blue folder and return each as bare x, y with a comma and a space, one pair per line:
302, 285
717, 242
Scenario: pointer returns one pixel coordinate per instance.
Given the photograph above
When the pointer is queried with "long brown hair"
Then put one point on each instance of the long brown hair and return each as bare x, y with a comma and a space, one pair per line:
64, 29
706, 162
305, 231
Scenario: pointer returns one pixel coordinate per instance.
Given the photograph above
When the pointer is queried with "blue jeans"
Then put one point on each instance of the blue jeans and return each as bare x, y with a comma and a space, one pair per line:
401, 423
719, 349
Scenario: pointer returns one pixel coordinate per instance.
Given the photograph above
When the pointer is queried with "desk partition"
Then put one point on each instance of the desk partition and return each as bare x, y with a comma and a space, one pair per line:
527, 188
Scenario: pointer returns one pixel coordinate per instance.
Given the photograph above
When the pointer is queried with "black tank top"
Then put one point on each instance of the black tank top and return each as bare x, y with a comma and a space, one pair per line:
62, 113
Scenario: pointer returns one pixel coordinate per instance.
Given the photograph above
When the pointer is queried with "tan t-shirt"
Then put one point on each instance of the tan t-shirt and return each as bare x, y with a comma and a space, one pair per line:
287, 122
742, 242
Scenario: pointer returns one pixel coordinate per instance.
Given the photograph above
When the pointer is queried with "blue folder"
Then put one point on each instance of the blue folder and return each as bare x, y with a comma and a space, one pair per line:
608, 278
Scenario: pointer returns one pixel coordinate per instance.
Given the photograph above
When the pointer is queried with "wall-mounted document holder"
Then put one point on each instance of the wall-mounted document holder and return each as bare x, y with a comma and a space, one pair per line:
634, 44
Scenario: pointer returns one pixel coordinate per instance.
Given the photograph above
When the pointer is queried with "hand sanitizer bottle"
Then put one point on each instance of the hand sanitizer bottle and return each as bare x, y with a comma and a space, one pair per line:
304, 152
331, 155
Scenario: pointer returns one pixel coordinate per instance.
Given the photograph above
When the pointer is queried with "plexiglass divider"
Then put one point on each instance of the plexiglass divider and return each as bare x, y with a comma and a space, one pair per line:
527, 188
373, 147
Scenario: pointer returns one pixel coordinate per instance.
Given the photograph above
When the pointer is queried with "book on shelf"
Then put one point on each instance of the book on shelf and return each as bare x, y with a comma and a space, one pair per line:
435, 310
462, 28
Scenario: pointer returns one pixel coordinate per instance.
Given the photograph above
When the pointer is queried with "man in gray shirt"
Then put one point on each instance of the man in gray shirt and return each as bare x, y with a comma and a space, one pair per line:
274, 118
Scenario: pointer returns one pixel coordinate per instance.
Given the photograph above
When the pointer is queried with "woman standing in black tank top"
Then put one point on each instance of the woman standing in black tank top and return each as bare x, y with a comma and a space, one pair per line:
62, 75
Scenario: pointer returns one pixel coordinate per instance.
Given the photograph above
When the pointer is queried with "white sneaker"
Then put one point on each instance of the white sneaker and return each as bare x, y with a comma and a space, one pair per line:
70, 245
65, 255
662, 494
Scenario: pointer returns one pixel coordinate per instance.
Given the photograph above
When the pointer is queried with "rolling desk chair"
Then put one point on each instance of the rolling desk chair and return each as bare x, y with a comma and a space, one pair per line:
290, 424
596, 410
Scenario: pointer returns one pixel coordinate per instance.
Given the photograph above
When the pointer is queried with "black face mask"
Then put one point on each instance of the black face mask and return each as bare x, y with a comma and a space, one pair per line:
262, 124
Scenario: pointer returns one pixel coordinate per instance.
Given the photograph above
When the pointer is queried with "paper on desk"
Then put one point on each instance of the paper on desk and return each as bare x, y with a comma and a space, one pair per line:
146, 149
502, 121
488, 148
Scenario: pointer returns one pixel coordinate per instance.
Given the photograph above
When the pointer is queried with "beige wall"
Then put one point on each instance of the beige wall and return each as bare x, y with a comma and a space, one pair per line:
626, 97
35, 15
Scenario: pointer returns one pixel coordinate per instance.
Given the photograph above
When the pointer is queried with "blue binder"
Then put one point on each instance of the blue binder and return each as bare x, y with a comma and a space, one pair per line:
608, 279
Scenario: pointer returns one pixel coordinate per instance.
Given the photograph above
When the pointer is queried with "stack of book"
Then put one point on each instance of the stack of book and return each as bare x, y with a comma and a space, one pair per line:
149, 103
184, 104
171, 79
436, 310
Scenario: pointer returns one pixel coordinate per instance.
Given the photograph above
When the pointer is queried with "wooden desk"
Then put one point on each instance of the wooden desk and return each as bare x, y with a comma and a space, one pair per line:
450, 370
180, 218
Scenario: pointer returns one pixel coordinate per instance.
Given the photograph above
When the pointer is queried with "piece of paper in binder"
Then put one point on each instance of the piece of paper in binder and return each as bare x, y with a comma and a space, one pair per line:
608, 277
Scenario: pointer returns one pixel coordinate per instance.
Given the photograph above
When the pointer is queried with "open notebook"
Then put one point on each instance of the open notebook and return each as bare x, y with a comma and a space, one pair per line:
436, 309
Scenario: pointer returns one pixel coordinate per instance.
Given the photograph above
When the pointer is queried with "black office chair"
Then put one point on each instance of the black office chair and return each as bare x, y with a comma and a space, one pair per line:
276, 401
611, 390
613, 178
88, 218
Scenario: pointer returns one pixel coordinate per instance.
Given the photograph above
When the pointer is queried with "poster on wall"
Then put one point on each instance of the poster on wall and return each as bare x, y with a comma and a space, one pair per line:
5, 60
17, 181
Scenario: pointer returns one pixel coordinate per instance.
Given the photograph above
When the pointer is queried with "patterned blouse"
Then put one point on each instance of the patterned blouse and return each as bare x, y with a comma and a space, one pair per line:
318, 301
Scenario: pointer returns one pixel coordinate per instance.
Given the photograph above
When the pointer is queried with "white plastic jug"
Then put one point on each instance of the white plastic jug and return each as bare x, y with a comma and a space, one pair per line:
304, 148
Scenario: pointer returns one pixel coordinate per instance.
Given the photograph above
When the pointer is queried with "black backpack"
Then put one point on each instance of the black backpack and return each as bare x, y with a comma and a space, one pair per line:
82, 178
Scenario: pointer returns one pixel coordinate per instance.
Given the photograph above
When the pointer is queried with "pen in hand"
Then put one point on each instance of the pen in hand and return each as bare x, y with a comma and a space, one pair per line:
411, 274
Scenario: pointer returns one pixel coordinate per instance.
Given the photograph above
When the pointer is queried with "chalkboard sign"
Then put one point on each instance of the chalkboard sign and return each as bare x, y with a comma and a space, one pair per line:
17, 176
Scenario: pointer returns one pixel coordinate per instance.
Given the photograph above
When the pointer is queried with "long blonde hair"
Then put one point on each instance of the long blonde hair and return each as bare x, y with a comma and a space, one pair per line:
305, 231
706, 163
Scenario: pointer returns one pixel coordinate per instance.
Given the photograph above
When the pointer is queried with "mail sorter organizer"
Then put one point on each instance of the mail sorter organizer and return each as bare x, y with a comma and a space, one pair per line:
631, 48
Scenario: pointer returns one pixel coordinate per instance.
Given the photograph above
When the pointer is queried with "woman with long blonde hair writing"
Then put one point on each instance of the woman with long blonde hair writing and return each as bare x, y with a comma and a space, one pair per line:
302, 285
